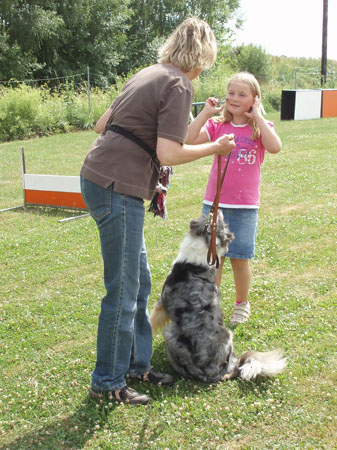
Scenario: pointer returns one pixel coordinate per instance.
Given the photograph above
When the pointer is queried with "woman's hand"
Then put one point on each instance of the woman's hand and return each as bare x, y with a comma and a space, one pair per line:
224, 144
171, 153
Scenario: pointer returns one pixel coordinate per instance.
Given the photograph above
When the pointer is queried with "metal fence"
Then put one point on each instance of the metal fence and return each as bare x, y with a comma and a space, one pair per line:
303, 79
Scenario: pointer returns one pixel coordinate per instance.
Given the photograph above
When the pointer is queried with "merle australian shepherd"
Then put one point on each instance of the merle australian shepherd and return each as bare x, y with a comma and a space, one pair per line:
198, 344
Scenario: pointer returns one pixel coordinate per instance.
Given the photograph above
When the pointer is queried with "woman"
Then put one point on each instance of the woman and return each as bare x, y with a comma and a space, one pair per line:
144, 128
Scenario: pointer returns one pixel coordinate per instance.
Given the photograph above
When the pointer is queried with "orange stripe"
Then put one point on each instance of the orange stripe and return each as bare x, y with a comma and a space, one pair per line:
52, 198
329, 103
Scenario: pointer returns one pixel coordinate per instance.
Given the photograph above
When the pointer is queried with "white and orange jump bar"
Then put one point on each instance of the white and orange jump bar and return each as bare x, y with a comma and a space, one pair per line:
55, 191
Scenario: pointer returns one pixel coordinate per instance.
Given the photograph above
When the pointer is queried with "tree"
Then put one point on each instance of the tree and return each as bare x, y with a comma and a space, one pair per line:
57, 38
24, 26
253, 59
153, 20
13, 63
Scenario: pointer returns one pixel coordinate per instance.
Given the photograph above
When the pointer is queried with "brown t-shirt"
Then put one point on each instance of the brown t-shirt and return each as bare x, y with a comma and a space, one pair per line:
155, 102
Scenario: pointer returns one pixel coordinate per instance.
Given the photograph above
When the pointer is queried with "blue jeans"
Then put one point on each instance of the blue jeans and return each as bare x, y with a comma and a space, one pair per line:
124, 338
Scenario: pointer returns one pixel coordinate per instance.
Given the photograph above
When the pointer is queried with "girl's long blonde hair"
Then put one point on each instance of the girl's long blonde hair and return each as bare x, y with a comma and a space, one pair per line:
251, 81
192, 45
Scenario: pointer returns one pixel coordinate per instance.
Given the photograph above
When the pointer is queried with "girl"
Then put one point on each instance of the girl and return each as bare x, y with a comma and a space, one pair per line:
240, 194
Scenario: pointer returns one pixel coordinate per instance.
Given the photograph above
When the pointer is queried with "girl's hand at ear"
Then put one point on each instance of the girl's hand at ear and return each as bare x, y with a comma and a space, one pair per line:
255, 110
211, 106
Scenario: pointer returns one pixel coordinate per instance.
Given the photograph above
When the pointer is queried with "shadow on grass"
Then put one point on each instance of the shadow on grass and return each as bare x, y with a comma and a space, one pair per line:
71, 432
60, 213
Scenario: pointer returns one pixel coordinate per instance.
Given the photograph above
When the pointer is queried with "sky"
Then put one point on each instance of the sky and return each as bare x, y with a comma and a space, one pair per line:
288, 27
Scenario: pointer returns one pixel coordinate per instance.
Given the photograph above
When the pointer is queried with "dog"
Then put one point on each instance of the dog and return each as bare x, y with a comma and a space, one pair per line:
198, 344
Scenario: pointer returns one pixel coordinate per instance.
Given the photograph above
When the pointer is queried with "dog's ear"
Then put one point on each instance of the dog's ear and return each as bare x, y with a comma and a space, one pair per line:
229, 237
223, 233
198, 227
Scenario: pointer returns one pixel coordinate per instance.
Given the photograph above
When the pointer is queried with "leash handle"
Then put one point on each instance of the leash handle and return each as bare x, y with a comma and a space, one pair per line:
212, 257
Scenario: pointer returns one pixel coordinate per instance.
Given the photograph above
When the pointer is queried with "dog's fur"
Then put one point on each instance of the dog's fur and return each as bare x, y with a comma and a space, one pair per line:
197, 342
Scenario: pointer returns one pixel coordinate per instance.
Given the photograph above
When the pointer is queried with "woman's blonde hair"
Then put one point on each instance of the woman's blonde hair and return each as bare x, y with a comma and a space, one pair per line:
251, 81
192, 45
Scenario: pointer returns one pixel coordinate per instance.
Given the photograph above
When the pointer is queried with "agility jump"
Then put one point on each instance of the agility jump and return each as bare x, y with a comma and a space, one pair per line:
55, 191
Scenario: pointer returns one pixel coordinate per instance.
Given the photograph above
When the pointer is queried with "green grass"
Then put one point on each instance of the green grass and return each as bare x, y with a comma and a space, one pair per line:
50, 289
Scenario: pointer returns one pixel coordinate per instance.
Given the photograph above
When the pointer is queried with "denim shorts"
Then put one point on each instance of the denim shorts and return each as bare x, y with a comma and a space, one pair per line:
243, 223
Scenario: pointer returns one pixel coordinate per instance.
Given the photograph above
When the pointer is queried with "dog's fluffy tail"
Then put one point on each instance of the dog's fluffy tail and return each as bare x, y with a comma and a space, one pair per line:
265, 364
158, 317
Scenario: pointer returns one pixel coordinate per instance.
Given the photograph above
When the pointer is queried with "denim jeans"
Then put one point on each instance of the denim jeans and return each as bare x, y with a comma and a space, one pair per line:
124, 338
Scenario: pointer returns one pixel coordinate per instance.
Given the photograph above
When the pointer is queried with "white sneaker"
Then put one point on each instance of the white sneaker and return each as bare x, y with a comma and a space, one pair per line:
241, 312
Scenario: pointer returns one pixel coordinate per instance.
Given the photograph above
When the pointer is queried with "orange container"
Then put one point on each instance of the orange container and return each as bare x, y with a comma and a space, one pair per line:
329, 103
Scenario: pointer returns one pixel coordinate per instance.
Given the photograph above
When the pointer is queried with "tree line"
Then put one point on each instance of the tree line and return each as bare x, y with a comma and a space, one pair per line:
54, 38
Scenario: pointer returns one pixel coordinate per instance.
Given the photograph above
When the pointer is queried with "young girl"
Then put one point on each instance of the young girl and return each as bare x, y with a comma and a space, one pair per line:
240, 193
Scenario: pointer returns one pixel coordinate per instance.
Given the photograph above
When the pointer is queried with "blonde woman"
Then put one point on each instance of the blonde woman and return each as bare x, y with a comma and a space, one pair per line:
240, 194
143, 129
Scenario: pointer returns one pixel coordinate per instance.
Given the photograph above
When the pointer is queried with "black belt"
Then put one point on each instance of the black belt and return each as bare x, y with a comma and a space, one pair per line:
136, 140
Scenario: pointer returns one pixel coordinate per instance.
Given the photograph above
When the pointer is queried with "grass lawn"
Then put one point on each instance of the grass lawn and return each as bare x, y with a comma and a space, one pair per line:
51, 284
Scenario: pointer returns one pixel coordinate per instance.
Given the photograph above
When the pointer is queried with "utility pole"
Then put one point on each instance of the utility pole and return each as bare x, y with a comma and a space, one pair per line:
324, 43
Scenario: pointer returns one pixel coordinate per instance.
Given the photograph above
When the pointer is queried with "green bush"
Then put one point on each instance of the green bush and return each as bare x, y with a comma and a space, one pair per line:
18, 108
212, 83
271, 97
28, 112
50, 117
253, 59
